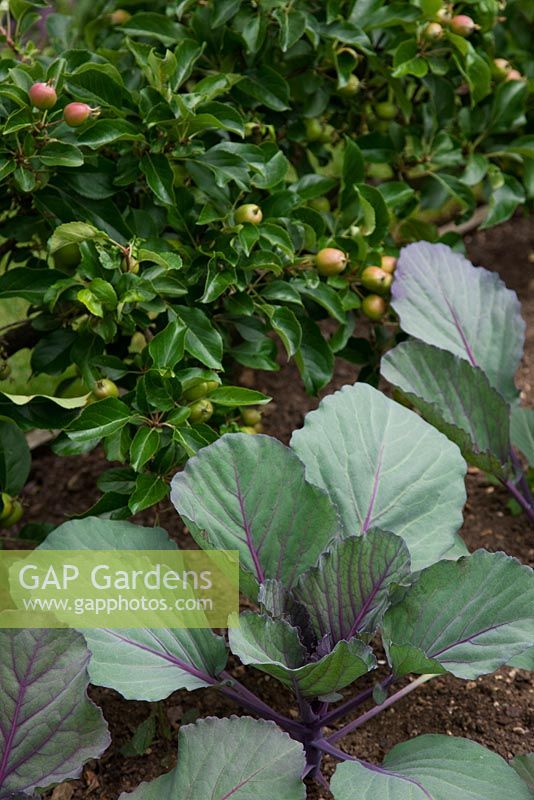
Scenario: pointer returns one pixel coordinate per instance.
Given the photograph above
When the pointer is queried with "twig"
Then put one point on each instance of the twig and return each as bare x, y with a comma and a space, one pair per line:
361, 720
473, 222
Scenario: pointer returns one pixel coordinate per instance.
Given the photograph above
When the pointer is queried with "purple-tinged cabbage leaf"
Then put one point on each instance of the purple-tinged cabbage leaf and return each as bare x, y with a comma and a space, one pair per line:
142, 663
249, 493
524, 766
150, 664
385, 467
523, 432
457, 399
95, 533
274, 647
48, 726
431, 767
467, 617
237, 757
347, 592
442, 299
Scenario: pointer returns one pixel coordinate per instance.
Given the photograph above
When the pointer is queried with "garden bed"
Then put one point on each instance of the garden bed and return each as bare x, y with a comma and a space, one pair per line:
496, 710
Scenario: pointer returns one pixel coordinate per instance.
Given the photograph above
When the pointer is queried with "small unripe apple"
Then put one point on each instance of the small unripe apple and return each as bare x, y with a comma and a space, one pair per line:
105, 388
374, 307
249, 212
321, 204
495, 176
251, 416
380, 172
314, 129
443, 14
211, 385
248, 429
327, 134
463, 25
330, 261
388, 264
433, 30
68, 258
130, 264
137, 343
196, 392
75, 114
514, 75
120, 16
501, 68
376, 279
386, 110
7, 506
15, 516
43, 96
351, 88
201, 411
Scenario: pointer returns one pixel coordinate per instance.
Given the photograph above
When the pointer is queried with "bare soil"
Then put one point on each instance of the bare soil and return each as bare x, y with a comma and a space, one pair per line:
496, 710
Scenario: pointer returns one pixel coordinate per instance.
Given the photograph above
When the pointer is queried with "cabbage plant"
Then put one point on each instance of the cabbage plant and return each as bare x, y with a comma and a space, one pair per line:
347, 540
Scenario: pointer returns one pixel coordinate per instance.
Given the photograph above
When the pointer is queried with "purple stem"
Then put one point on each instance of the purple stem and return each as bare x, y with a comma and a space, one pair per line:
354, 702
522, 480
245, 697
363, 718
525, 504
320, 778
325, 746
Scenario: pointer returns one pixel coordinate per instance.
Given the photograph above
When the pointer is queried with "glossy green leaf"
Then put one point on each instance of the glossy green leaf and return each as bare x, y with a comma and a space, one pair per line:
286, 325
168, 346
159, 176
233, 396
61, 154
504, 201
74, 233
144, 446
202, 340
99, 419
314, 358
15, 458
267, 87
30, 284
149, 490
105, 131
